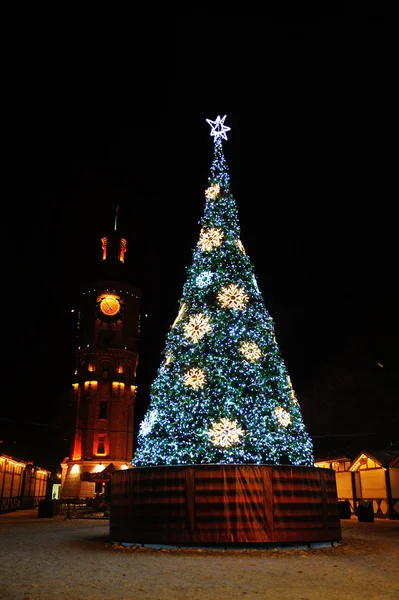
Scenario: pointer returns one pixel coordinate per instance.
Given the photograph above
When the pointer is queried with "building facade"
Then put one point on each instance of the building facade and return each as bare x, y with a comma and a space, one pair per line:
373, 476
22, 484
104, 387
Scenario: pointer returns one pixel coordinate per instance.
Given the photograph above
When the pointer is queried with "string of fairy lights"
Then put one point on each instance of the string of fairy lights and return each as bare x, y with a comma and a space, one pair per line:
222, 393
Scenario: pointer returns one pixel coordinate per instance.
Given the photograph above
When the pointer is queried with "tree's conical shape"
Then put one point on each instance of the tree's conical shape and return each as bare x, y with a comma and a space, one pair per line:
223, 393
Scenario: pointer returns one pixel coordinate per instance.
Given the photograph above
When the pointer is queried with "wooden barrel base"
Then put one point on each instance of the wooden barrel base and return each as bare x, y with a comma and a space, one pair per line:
224, 505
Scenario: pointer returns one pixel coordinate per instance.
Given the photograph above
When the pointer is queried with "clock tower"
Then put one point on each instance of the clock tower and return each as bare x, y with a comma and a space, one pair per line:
107, 324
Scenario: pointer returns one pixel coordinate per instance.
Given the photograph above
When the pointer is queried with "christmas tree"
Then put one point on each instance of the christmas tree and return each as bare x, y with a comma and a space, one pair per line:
222, 394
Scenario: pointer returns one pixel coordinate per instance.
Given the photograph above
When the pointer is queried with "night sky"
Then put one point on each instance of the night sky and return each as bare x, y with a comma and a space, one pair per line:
310, 106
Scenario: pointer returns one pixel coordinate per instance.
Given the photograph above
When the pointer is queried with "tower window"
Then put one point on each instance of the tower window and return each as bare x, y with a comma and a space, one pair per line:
104, 243
102, 414
101, 445
122, 249
106, 371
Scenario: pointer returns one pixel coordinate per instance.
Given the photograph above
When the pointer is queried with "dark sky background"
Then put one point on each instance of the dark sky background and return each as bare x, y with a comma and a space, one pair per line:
121, 121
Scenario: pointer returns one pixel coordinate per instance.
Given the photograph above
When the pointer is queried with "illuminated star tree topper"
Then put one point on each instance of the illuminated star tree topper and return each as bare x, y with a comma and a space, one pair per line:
218, 128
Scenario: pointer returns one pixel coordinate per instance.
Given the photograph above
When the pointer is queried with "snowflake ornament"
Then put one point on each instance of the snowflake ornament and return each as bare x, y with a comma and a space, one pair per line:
250, 351
148, 422
233, 297
204, 279
225, 433
194, 378
212, 192
210, 238
197, 326
282, 416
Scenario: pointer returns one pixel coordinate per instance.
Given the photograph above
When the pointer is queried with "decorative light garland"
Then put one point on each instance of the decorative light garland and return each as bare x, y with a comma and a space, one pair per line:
294, 398
241, 246
180, 314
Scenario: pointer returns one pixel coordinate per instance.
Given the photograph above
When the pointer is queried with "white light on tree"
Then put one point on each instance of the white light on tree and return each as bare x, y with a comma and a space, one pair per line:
148, 421
233, 296
218, 128
282, 416
225, 433
256, 284
212, 192
194, 378
210, 238
196, 327
204, 279
250, 351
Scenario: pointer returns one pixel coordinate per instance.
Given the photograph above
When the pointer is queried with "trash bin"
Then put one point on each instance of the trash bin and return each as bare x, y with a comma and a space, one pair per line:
47, 509
344, 509
365, 512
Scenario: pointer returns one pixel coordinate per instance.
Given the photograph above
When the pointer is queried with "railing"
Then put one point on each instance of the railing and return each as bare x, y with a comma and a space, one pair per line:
75, 507
71, 504
31, 501
380, 506
10, 504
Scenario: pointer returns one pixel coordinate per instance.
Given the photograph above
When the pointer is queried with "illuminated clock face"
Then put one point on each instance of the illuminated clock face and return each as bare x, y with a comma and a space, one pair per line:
109, 306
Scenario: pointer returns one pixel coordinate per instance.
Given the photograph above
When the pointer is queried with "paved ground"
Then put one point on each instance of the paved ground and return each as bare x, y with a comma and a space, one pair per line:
57, 559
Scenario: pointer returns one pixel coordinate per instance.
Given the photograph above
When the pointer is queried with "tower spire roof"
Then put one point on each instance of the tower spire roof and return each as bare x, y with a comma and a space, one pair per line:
116, 218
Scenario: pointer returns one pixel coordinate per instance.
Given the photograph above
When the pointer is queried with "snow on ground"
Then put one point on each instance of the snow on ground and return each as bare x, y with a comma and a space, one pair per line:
57, 559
